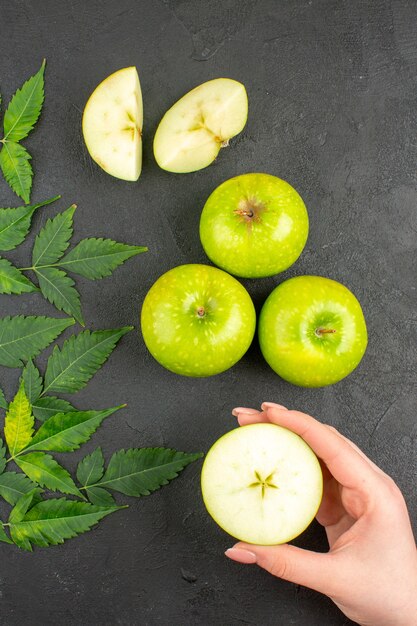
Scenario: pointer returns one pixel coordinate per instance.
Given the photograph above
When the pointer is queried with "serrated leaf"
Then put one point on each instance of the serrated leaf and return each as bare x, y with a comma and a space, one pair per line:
96, 258
16, 168
32, 381
70, 368
2, 456
100, 496
3, 401
22, 338
53, 239
3, 536
65, 432
12, 280
59, 289
45, 407
15, 223
46, 472
25, 107
91, 468
52, 521
140, 471
20, 508
19, 422
13, 486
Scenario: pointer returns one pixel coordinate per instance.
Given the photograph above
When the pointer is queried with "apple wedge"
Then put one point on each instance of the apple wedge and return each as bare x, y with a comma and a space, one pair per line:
112, 124
194, 129
262, 484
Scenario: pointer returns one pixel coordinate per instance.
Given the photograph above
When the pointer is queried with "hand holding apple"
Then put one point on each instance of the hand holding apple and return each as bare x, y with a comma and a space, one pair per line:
370, 571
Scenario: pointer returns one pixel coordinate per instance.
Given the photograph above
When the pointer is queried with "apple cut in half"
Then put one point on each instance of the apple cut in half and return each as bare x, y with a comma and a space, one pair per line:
112, 124
262, 484
194, 129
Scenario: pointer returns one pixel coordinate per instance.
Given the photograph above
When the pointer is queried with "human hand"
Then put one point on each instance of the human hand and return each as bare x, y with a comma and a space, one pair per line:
370, 571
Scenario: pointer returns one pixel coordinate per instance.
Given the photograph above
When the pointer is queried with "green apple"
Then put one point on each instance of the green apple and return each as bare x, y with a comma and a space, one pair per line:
312, 331
112, 124
194, 129
262, 484
197, 320
254, 225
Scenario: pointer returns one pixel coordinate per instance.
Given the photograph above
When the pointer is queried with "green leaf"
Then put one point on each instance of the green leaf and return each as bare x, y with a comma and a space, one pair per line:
52, 521
139, 471
46, 472
15, 223
53, 239
19, 422
13, 486
32, 381
25, 107
2, 456
99, 496
91, 468
3, 401
20, 509
69, 369
3, 536
58, 288
16, 168
65, 432
45, 407
12, 280
96, 258
22, 338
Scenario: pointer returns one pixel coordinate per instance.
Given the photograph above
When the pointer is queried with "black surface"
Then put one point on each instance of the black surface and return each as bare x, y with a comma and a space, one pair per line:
333, 101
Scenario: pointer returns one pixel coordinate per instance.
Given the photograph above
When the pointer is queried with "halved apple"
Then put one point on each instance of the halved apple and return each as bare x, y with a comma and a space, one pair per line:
262, 484
191, 133
112, 124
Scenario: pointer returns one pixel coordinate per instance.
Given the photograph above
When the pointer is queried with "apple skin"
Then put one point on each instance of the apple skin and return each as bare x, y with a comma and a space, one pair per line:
235, 498
254, 225
291, 326
197, 320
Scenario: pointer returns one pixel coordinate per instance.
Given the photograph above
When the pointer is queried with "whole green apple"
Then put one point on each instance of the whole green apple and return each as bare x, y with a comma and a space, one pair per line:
312, 331
197, 320
254, 225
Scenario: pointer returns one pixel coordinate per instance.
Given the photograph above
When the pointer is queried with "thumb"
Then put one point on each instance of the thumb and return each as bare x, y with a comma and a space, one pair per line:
310, 569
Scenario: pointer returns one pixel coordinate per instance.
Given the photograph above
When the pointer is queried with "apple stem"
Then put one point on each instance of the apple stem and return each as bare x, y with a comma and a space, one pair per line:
201, 311
324, 331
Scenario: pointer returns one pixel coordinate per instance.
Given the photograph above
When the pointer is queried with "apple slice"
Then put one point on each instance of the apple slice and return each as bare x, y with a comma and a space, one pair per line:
192, 131
262, 484
112, 124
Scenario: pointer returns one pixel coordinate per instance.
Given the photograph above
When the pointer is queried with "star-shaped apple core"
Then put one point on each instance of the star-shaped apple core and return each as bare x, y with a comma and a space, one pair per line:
264, 483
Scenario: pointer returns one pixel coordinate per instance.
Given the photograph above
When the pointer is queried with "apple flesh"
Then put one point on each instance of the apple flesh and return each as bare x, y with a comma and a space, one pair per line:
112, 124
262, 484
254, 225
194, 129
312, 331
197, 320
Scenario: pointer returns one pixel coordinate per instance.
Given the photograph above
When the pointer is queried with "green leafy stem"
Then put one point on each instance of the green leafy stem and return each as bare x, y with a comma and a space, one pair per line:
93, 258
20, 118
135, 472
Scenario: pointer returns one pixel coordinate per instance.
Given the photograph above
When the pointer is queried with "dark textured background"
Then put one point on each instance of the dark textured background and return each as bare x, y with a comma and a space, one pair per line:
333, 101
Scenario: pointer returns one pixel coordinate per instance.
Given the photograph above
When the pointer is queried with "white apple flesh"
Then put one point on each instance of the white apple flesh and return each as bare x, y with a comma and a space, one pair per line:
262, 484
112, 124
194, 129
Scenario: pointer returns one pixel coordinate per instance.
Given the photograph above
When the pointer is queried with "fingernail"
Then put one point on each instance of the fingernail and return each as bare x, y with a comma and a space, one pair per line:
241, 409
241, 556
272, 405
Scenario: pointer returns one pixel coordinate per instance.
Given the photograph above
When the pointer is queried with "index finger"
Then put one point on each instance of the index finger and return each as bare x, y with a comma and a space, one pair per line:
348, 467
